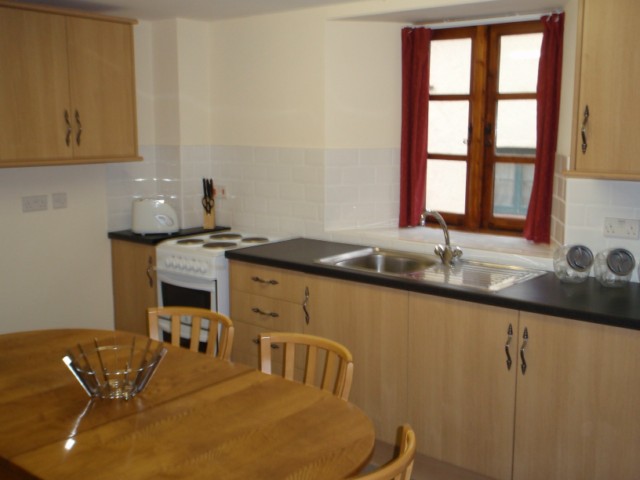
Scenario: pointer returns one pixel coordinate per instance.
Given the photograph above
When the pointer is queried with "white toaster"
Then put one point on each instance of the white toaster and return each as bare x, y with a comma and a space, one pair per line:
153, 215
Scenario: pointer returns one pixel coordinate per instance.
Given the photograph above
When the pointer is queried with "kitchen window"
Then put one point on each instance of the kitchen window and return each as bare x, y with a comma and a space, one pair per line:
482, 124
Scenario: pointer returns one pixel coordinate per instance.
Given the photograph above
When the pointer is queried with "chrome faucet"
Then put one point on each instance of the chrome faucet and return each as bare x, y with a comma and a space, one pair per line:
447, 254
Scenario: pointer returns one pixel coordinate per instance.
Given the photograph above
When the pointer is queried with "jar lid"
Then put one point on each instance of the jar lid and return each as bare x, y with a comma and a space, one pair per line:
580, 258
620, 261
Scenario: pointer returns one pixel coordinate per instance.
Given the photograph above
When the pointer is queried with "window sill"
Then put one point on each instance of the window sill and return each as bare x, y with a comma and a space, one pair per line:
476, 246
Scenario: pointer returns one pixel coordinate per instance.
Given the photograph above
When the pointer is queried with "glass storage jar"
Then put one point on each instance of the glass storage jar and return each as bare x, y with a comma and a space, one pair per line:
614, 267
572, 263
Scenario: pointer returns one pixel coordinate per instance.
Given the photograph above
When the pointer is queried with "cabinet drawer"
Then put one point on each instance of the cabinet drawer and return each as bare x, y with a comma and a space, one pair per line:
246, 347
267, 281
267, 313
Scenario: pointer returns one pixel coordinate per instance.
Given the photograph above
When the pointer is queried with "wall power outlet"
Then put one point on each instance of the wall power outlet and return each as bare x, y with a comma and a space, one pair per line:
35, 203
622, 228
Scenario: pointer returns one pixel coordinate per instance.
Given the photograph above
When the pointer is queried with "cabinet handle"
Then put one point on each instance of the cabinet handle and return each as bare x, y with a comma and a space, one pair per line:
67, 138
268, 282
150, 271
525, 339
79, 123
305, 304
583, 130
266, 314
506, 346
257, 342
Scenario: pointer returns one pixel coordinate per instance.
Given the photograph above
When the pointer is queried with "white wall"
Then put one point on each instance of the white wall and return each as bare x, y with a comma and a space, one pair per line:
268, 80
55, 268
363, 84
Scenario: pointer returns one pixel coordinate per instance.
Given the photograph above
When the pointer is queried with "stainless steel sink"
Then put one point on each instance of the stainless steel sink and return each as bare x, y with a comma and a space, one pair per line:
427, 268
382, 261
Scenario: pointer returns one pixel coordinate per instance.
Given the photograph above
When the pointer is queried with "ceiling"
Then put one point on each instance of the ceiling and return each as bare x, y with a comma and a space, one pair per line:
225, 9
194, 9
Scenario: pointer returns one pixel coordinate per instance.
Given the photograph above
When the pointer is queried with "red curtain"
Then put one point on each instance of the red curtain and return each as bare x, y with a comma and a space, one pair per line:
415, 109
538, 222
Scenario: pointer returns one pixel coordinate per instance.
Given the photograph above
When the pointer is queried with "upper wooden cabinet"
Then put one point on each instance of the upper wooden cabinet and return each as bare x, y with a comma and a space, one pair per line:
67, 89
608, 96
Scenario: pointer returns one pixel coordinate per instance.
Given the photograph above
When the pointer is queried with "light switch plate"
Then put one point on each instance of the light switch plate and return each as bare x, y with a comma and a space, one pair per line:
59, 200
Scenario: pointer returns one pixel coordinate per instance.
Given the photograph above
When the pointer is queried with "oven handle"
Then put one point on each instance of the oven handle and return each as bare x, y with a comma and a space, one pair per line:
185, 281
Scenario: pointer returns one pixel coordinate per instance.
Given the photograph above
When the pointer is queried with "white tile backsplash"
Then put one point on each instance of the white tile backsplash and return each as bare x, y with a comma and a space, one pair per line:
320, 192
589, 202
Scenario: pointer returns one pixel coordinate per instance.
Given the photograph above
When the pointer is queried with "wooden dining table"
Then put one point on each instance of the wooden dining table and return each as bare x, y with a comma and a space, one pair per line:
198, 418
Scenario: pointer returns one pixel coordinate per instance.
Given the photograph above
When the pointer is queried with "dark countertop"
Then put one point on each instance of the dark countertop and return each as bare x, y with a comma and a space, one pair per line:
155, 238
588, 301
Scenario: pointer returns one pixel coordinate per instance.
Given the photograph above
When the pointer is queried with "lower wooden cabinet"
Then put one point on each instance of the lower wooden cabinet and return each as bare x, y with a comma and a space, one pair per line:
577, 402
461, 390
263, 299
454, 370
372, 323
134, 284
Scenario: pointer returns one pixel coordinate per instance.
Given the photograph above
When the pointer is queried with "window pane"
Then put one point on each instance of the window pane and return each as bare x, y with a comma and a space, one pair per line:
448, 127
516, 127
450, 66
446, 185
512, 189
519, 57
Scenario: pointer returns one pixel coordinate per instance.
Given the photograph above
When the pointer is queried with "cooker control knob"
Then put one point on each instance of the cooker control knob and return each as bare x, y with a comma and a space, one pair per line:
203, 267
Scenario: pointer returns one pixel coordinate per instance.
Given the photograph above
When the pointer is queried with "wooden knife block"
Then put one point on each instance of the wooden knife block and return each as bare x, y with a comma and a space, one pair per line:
209, 221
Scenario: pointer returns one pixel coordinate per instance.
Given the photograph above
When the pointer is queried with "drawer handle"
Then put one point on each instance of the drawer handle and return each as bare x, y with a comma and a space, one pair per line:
266, 314
268, 282
257, 342
525, 339
507, 345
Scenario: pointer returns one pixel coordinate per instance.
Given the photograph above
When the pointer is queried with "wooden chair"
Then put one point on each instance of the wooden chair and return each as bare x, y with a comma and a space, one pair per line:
217, 322
399, 468
328, 361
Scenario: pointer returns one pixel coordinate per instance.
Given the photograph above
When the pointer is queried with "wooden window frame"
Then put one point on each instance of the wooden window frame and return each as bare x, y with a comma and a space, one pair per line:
483, 97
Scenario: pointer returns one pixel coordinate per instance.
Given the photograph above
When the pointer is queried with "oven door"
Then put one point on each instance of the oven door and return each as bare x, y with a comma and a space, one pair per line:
175, 290
181, 290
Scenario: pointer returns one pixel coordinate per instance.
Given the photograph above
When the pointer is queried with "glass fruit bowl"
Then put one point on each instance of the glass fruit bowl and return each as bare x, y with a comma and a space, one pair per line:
118, 367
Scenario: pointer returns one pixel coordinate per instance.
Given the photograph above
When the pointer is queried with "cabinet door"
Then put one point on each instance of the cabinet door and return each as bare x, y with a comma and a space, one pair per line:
134, 284
577, 403
102, 88
461, 392
34, 86
372, 323
610, 67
